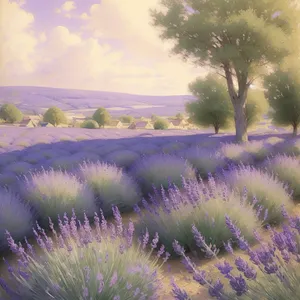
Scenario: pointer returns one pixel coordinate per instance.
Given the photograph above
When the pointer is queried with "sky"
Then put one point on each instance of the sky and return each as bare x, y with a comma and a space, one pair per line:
105, 45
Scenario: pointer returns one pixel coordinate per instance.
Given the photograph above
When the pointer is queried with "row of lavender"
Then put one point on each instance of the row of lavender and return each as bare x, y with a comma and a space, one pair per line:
169, 215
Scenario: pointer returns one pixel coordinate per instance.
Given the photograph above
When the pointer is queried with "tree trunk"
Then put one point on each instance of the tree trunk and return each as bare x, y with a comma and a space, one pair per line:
238, 100
295, 129
240, 122
216, 127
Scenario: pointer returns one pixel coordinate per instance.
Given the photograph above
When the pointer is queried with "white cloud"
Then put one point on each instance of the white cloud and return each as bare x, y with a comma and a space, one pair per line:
68, 6
17, 41
61, 58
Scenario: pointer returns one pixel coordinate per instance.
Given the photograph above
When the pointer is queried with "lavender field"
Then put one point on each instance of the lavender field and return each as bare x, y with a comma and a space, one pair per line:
176, 189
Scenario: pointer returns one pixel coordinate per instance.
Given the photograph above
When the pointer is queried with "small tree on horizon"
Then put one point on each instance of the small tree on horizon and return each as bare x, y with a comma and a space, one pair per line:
10, 113
239, 40
55, 116
179, 116
101, 116
161, 124
283, 93
127, 119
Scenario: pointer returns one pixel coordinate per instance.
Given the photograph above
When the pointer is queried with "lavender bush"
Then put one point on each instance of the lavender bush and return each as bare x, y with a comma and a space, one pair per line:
122, 158
19, 168
173, 147
81, 263
55, 192
15, 216
287, 169
291, 147
204, 160
145, 148
270, 272
111, 186
235, 153
171, 213
161, 169
267, 190
258, 149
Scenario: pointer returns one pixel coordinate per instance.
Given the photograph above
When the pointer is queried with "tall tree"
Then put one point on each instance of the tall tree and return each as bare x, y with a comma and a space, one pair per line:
239, 39
283, 92
10, 113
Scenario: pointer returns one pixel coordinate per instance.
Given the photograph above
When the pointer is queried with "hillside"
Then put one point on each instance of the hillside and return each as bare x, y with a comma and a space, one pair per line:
38, 99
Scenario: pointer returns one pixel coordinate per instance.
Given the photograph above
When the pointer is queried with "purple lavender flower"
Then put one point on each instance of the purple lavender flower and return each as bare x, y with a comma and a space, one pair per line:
178, 293
216, 289
225, 268
177, 248
200, 277
114, 279
239, 285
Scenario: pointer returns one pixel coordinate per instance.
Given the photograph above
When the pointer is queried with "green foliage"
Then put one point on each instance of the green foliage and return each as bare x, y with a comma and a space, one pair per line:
90, 124
179, 116
256, 106
101, 116
283, 93
55, 116
10, 113
238, 39
213, 107
127, 119
154, 118
161, 124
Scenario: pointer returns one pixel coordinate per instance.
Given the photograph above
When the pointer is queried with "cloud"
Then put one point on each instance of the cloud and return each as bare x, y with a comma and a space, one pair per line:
64, 58
68, 6
17, 41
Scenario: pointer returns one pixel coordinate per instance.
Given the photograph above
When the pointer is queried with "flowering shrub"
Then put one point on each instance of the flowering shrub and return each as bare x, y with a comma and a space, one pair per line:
235, 153
15, 216
171, 213
291, 147
55, 192
110, 186
258, 149
267, 190
64, 163
80, 157
81, 263
161, 169
33, 158
145, 148
204, 161
7, 179
108, 148
287, 169
270, 272
7, 158
19, 168
173, 147
123, 158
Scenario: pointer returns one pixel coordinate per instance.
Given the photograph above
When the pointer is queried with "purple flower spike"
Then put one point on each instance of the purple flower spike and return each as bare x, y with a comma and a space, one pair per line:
239, 285
225, 268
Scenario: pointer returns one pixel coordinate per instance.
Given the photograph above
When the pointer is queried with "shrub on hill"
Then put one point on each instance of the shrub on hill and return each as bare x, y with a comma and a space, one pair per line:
55, 116
111, 186
90, 124
127, 119
53, 193
79, 263
235, 153
172, 213
15, 216
101, 116
161, 170
10, 113
161, 124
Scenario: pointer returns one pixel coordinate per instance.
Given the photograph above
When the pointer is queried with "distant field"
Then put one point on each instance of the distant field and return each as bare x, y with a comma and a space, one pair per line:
38, 99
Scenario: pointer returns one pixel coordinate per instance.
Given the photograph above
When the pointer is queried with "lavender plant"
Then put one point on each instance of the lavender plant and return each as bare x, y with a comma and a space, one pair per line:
111, 186
258, 149
54, 192
19, 168
161, 169
78, 262
122, 158
287, 169
235, 153
204, 160
270, 272
173, 147
172, 212
15, 216
269, 192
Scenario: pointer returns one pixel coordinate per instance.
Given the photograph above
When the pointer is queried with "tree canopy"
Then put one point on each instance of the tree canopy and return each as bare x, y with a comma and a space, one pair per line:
283, 92
101, 116
238, 39
161, 124
55, 116
10, 113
